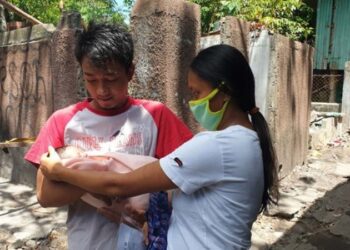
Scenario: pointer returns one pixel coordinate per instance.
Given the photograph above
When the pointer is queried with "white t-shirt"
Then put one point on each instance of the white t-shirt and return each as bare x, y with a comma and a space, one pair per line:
221, 180
141, 127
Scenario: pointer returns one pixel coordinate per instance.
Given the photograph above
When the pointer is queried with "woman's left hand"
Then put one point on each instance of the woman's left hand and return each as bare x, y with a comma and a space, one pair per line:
50, 164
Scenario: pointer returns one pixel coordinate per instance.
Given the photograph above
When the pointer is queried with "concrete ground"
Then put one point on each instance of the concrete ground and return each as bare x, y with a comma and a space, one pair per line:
314, 209
24, 224
313, 212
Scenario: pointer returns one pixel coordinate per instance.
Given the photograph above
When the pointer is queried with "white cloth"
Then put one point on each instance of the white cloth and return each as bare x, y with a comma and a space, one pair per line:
221, 180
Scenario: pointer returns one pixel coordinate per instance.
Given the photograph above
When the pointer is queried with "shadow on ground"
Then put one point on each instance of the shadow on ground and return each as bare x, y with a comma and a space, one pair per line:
324, 226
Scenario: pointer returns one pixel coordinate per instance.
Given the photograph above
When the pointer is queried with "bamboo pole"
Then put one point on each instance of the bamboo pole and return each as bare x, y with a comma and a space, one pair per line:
20, 12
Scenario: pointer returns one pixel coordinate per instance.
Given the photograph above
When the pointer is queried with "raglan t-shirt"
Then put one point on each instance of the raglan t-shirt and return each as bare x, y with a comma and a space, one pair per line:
221, 180
140, 127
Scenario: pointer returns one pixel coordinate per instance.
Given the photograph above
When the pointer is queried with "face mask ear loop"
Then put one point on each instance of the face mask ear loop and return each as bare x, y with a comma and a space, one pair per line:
223, 106
208, 97
223, 110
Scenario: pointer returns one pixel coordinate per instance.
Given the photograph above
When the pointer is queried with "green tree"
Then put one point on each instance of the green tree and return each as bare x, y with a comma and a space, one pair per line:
98, 10
288, 17
47, 11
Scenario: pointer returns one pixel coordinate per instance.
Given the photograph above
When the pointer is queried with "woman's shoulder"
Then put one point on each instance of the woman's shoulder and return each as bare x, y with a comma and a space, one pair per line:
231, 131
233, 136
237, 131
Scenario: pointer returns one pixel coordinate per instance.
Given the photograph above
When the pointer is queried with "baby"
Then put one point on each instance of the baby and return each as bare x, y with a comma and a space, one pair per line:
76, 158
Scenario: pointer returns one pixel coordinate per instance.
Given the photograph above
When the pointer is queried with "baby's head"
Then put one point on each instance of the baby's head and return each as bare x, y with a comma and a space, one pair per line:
66, 152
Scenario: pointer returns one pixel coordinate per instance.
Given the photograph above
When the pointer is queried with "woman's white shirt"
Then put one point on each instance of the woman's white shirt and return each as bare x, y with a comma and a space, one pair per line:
221, 179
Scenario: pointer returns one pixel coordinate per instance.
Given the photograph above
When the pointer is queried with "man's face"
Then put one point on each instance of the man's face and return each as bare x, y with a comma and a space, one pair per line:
107, 86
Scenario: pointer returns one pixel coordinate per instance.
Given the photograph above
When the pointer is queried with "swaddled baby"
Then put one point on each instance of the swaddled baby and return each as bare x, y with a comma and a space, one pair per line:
73, 157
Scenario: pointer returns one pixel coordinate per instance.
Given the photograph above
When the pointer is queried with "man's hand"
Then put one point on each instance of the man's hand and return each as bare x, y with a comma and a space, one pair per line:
123, 212
110, 213
50, 164
145, 233
138, 216
107, 200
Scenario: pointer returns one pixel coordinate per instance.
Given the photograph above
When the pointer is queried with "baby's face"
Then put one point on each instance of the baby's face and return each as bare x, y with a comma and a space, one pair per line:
66, 152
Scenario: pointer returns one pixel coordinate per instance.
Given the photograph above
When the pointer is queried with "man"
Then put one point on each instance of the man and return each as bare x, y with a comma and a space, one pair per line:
109, 121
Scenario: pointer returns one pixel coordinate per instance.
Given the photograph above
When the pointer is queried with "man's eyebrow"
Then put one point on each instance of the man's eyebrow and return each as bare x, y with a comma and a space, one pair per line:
114, 74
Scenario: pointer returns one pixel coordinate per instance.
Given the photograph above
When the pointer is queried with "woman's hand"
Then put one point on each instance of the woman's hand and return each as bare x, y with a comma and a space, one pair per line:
50, 164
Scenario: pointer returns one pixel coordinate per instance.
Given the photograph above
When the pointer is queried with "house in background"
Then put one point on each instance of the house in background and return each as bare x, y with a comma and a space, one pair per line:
332, 48
332, 34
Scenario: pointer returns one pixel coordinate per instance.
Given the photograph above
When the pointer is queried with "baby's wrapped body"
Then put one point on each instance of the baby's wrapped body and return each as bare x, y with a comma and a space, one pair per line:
75, 158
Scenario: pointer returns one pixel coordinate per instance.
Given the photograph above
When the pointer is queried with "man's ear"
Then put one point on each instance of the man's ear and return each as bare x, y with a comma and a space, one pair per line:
131, 71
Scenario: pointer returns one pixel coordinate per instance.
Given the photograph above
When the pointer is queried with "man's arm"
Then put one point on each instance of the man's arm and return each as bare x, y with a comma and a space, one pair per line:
55, 194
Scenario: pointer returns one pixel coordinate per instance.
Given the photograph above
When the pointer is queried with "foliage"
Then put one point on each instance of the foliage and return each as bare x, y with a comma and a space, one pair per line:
288, 17
48, 11
129, 3
97, 10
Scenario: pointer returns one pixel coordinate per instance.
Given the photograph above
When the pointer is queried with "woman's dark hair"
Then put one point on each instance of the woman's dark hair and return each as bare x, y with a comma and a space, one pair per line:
226, 68
103, 43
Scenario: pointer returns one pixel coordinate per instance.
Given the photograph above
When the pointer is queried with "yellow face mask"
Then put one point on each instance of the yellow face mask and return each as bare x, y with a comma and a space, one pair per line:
207, 119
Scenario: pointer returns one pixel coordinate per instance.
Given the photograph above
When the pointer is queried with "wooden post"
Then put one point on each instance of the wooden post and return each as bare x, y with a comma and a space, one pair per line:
20, 12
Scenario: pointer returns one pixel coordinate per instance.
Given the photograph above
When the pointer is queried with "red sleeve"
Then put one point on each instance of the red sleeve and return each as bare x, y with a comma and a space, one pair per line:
51, 134
172, 132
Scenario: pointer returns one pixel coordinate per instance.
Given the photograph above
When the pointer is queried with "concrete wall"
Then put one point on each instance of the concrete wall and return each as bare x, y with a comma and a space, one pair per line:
14, 168
25, 94
283, 80
235, 32
166, 37
210, 40
289, 99
25, 80
38, 74
39, 70
326, 107
325, 125
346, 97
66, 71
260, 56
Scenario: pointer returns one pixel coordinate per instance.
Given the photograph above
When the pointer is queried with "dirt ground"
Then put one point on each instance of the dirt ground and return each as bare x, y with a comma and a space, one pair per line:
314, 210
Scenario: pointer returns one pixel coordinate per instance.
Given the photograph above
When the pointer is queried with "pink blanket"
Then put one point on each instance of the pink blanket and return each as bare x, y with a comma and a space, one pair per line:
116, 162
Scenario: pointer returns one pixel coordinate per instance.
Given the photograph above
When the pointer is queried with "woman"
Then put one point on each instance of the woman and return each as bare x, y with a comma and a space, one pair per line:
225, 176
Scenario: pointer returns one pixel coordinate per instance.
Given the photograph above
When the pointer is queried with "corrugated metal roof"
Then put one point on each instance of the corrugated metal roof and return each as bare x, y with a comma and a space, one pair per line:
332, 45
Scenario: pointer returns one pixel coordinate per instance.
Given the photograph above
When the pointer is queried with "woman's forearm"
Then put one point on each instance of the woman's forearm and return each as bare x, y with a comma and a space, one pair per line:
149, 178
92, 181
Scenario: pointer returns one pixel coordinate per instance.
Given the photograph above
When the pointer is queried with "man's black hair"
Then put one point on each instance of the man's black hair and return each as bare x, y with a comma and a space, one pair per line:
104, 43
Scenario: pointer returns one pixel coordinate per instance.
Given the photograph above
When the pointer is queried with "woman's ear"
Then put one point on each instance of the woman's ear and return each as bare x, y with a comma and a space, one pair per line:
225, 97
